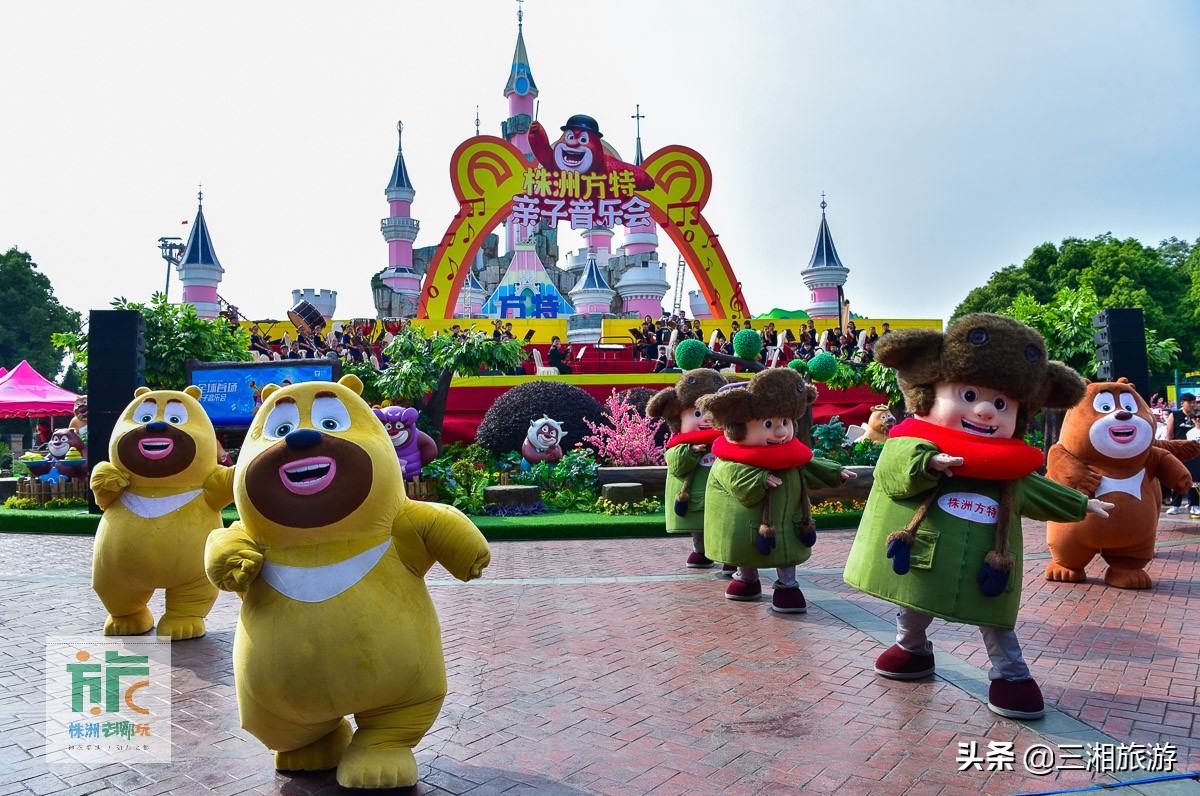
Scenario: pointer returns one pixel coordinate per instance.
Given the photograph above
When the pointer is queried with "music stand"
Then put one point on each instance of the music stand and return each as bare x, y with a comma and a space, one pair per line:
529, 335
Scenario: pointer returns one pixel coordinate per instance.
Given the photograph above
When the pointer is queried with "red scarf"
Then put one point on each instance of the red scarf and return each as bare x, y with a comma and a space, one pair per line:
703, 436
983, 457
769, 457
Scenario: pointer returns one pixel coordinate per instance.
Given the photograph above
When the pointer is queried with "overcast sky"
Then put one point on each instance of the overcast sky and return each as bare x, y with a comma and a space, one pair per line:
951, 138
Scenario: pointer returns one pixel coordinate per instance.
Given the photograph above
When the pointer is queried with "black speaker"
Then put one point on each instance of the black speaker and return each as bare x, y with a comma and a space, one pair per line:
116, 359
1121, 346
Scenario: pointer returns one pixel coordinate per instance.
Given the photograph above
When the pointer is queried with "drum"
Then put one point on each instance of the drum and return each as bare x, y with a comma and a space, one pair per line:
306, 317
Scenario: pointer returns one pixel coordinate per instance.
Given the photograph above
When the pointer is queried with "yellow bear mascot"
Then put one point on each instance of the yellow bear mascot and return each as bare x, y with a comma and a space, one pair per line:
330, 558
162, 493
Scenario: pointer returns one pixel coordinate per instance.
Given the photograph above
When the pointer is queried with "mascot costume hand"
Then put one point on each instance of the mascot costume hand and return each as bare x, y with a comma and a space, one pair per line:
1107, 449
330, 558
162, 493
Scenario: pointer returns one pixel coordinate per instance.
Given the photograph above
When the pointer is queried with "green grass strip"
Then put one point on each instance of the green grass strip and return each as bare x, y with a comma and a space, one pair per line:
574, 525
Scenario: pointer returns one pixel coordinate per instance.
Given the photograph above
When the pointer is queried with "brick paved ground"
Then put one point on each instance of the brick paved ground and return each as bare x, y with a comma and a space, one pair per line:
607, 668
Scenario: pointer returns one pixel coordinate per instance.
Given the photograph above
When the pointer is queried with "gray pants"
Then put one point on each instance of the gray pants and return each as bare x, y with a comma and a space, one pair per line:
1002, 646
786, 575
698, 541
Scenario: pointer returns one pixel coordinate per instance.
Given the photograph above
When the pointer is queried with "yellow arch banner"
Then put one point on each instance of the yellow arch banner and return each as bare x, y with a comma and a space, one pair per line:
487, 172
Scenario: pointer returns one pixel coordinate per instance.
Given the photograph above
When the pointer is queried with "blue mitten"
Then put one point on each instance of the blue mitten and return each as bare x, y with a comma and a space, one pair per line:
681, 507
900, 552
765, 544
807, 533
992, 581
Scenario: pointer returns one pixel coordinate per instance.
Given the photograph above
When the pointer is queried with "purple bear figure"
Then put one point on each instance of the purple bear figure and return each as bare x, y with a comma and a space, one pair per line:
414, 448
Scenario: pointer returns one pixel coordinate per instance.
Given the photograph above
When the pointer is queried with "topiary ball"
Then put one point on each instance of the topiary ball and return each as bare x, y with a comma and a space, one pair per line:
823, 366
690, 354
506, 423
799, 365
747, 344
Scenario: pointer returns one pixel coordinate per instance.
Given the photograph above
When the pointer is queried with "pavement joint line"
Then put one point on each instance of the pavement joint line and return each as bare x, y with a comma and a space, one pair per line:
1056, 727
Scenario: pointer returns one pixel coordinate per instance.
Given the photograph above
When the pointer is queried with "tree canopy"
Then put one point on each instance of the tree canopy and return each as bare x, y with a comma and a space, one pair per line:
1062, 286
421, 369
32, 315
174, 334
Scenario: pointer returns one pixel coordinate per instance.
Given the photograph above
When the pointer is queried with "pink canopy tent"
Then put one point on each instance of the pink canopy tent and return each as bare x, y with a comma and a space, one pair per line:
25, 393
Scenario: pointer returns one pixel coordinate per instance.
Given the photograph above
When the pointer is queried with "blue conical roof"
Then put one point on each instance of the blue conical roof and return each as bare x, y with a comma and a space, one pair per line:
520, 71
400, 171
824, 254
591, 279
199, 249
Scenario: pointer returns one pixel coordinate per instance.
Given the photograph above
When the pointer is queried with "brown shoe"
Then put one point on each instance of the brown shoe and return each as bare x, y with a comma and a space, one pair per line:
898, 664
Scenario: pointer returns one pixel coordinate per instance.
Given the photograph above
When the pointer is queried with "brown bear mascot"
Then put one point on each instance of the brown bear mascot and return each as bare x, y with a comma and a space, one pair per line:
1106, 450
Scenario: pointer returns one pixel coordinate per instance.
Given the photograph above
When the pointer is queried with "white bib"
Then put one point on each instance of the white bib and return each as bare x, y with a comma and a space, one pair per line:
152, 508
318, 584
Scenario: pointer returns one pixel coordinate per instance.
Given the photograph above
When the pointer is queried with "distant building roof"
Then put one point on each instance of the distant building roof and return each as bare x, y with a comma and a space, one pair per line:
824, 253
400, 171
591, 278
520, 79
199, 249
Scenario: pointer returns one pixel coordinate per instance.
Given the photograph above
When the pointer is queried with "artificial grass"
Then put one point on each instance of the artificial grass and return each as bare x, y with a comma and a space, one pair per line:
574, 525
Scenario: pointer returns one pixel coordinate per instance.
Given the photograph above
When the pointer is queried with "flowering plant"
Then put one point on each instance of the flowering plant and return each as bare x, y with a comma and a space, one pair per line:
626, 438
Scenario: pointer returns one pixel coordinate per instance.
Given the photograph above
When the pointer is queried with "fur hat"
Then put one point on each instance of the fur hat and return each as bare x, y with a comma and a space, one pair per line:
982, 349
672, 402
776, 392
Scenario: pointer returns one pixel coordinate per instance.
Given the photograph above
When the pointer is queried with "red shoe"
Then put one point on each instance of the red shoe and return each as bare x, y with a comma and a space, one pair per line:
742, 591
698, 561
727, 571
898, 664
788, 600
1016, 700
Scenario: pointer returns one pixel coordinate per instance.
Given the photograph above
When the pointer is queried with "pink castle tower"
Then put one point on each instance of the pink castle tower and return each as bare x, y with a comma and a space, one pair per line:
400, 230
199, 269
592, 298
521, 92
643, 285
825, 274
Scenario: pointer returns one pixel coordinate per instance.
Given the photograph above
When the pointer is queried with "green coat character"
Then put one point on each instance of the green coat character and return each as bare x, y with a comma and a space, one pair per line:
952, 540
734, 511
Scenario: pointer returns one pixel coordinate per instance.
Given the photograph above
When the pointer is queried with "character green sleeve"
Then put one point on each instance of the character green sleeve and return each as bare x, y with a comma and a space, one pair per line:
902, 469
746, 483
822, 473
1048, 500
681, 460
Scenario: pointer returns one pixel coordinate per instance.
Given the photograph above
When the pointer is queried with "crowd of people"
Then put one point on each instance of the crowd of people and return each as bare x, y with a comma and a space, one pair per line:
652, 342
656, 337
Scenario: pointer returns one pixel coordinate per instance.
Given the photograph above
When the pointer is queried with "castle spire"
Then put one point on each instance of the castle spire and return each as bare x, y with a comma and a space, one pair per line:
638, 116
199, 269
399, 229
520, 78
400, 180
825, 273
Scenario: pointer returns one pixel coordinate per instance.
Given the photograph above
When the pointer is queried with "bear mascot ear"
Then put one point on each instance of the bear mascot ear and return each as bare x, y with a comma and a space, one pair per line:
350, 381
1064, 387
